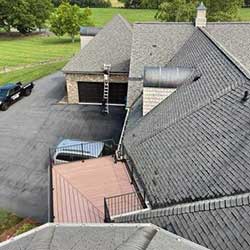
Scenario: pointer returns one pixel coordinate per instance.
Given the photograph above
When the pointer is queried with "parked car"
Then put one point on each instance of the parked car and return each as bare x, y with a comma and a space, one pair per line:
12, 92
74, 150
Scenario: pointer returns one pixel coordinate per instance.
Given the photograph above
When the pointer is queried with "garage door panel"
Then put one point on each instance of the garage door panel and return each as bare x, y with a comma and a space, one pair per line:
118, 93
90, 92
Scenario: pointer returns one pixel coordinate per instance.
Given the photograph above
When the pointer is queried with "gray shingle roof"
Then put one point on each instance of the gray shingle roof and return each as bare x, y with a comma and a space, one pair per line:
217, 224
98, 236
234, 37
194, 145
112, 45
156, 43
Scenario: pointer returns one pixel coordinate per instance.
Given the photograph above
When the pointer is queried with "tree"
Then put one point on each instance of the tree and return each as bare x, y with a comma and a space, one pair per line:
184, 10
131, 3
67, 19
24, 15
6, 8
227, 10
151, 4
41, 10
176, 11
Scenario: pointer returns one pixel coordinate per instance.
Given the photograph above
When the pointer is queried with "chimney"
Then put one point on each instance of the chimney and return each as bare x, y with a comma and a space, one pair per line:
201, 18
87, 34
161, 82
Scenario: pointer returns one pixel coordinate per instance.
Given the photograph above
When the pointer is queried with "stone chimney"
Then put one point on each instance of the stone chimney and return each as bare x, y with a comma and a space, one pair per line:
201, 17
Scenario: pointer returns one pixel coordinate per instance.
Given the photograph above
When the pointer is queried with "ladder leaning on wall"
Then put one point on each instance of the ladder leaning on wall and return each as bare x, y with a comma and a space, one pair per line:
106, 71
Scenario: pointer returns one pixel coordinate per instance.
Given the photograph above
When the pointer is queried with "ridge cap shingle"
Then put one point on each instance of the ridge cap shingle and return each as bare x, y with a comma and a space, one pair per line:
229, 55
198, 206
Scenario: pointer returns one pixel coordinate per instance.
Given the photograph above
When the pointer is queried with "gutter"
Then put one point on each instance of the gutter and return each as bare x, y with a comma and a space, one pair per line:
93, 72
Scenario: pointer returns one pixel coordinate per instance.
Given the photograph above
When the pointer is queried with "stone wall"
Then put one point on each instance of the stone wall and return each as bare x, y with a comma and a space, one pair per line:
73, 79
154, 96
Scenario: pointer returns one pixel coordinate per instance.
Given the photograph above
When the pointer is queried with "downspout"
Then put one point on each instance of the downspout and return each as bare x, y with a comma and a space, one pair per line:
119, 151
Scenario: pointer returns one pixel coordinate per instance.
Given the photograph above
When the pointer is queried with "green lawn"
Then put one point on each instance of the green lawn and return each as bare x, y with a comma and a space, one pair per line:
245, 14
102, 16
30, 74
33, 49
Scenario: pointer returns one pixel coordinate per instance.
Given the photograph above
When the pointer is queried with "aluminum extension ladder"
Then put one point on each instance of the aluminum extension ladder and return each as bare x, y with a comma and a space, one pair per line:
107, 68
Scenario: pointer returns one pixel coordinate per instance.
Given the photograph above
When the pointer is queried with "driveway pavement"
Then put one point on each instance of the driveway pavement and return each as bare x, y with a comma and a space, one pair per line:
27, 131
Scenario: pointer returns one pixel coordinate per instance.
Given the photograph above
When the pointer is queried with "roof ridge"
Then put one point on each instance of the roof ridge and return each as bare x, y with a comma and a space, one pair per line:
229, 55
125, 21
237, 200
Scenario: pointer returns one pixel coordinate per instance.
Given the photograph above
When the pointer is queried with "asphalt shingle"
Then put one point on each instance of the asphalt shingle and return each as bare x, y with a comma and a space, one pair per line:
112, 45
197, 139
234, 37
153, 44
218, 228
97, 236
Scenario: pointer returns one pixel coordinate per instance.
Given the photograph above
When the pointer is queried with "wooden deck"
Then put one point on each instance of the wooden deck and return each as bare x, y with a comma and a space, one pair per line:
79, 189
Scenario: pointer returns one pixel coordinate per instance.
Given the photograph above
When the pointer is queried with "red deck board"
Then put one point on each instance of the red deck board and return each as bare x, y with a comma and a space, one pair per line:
80, 188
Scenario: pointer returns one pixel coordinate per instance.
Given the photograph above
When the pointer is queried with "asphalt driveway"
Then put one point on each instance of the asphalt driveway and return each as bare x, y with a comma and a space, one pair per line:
27, 131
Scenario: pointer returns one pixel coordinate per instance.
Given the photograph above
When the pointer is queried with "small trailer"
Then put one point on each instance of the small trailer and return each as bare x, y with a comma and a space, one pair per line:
12, 92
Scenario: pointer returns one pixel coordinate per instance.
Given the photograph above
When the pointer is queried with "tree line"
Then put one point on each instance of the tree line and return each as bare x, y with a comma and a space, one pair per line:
29, 15
24, 15
185, 10
86, 3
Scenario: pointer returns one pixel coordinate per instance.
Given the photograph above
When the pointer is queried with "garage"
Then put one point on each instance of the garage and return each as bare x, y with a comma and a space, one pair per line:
92, 92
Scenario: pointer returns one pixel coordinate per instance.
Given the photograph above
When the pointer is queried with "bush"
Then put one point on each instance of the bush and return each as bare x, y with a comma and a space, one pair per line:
25, 228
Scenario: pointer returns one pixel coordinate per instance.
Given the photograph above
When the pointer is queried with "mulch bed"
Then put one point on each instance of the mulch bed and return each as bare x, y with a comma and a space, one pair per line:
11, 232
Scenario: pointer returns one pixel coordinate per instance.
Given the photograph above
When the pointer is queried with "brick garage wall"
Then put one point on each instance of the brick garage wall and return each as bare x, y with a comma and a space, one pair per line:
73, 79
154, 96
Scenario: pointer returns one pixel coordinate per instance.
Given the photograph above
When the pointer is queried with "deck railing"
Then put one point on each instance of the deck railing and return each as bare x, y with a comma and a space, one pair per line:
122, 204
109, 149
81, 151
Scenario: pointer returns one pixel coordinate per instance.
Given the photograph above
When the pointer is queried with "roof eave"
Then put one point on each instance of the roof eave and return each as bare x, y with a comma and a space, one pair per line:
95, 72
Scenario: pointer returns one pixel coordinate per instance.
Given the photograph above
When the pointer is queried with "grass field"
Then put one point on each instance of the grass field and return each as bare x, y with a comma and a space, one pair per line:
23, 51
245, 14
33, 49
30, 74
16, 52
102, 16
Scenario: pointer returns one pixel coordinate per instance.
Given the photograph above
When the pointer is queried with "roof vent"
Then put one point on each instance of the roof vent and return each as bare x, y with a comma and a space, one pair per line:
161, 82
167, 77
245, 97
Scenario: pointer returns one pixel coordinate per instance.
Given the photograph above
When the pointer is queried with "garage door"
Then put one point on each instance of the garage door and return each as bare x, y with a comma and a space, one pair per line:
90, 92
118, 93
93, 92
